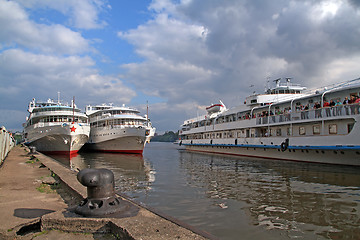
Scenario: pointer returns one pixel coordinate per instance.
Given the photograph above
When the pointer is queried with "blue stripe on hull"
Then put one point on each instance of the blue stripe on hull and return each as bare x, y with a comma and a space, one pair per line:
337, 147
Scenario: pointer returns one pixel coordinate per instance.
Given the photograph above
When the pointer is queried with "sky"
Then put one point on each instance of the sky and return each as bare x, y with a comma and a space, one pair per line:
179, 56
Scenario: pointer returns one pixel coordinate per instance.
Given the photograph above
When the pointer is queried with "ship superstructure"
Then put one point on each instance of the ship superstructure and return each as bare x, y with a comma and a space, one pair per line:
287, 122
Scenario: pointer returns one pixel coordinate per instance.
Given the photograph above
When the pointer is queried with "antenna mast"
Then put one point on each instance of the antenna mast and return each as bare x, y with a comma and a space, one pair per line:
147, 112
73, 105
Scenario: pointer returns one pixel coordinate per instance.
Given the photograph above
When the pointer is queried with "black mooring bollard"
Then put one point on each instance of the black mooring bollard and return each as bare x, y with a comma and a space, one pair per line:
101, 200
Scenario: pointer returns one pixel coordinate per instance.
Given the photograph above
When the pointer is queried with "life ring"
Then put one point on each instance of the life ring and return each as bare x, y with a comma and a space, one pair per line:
284, 145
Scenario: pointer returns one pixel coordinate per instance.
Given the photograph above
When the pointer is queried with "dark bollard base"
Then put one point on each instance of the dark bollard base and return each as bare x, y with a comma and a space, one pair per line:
109, 207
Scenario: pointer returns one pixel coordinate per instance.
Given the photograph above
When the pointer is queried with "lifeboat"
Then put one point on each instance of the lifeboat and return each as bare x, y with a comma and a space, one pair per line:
214, 108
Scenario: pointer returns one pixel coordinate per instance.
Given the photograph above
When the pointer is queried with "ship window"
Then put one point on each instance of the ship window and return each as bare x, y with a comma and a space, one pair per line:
278, 132
316, 129
333, 129
252, 133
350, 127
302, 130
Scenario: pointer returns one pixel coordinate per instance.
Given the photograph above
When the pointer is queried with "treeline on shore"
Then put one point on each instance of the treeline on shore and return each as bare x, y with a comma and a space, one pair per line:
169, 136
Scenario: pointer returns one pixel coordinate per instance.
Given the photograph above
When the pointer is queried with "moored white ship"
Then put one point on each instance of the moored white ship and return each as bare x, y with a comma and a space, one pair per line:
54, 127
288, 122
117, 129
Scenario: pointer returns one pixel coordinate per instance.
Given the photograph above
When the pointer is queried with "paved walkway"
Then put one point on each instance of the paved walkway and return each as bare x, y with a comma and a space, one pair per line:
23, 196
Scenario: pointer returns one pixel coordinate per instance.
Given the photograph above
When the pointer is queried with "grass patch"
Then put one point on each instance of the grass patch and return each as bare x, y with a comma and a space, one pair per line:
32, 160
45, 188
40, 233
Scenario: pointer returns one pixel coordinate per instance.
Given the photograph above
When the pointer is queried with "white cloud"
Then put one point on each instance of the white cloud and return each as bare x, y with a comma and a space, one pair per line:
18, 29
82, 14
201, 51
193, 52
26, 75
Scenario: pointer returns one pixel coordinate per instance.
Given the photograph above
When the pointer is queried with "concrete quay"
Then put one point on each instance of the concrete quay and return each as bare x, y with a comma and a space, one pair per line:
37, 195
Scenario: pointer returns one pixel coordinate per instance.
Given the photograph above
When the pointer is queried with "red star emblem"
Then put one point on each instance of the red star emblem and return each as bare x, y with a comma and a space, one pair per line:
72, 129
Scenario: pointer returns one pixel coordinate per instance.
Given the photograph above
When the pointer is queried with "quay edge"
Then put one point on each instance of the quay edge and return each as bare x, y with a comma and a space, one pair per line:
146, 224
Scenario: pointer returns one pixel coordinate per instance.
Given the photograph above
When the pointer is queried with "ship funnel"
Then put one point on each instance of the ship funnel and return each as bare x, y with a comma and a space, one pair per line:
288, 82
277, 81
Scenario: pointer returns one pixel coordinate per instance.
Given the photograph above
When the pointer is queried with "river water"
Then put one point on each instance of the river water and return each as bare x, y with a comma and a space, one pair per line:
236, 197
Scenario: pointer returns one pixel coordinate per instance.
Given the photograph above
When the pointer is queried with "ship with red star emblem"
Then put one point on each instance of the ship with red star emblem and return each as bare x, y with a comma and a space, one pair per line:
56, 127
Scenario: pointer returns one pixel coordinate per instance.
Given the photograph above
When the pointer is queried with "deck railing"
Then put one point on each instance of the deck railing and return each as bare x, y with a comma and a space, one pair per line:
320, 114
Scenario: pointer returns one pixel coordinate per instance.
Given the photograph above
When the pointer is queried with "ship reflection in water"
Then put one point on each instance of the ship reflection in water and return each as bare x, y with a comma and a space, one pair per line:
130, 170
240, 198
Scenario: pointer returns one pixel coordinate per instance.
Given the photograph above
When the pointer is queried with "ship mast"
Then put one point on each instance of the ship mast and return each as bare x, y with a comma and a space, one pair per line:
147, 113
73, 105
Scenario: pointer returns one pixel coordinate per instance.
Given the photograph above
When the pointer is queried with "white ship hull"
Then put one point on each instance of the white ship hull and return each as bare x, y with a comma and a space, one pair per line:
326, 154
57, 138
123, 139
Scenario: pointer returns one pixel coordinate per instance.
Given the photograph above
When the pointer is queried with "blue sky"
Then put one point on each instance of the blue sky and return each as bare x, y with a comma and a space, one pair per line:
180, 56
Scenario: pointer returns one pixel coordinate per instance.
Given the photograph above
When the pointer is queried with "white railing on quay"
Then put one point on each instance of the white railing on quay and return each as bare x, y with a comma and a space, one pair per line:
7, 142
